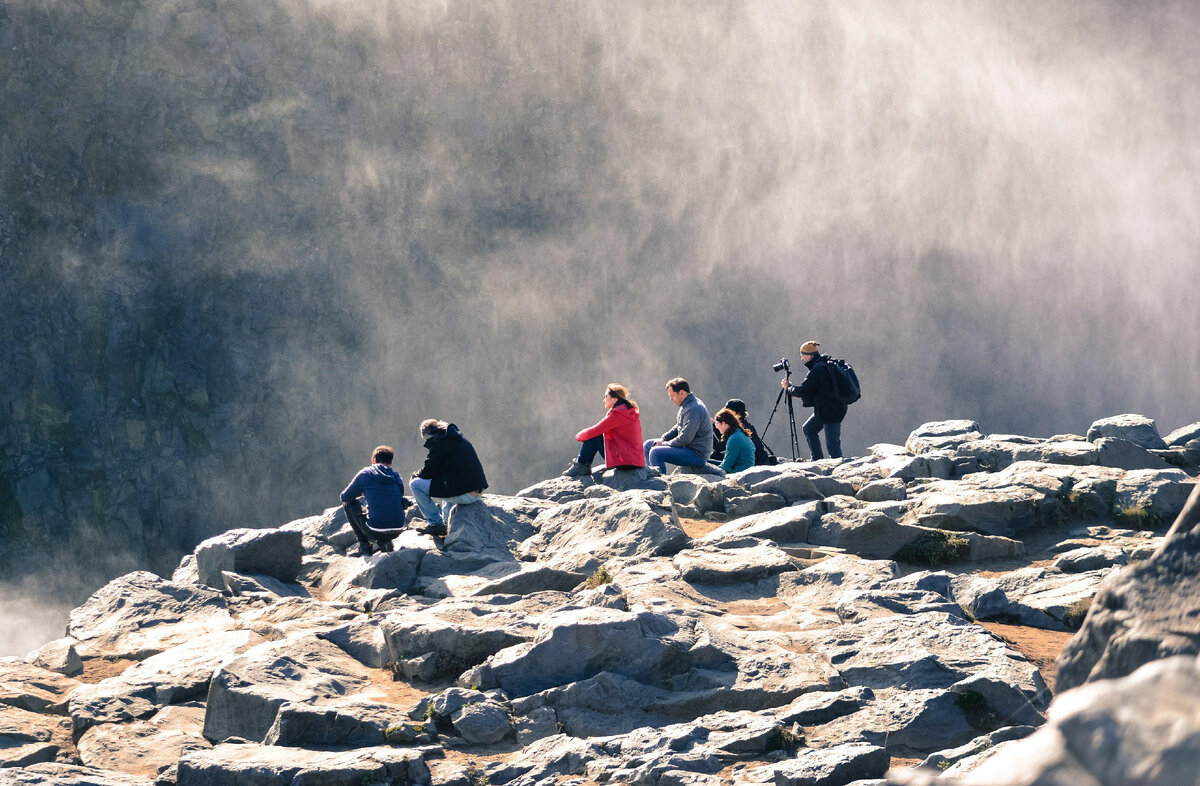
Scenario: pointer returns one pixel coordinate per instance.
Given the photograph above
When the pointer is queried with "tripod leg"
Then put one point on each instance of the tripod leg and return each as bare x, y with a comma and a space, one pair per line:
778, 398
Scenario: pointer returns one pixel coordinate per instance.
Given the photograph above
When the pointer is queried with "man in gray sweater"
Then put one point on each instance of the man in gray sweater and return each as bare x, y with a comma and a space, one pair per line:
690, 442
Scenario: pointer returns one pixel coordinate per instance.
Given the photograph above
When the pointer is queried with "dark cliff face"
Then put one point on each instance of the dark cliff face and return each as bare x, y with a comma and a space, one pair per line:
241, 244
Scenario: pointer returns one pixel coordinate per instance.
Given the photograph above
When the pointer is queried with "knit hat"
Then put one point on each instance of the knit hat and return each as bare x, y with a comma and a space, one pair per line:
809, 348
737, 405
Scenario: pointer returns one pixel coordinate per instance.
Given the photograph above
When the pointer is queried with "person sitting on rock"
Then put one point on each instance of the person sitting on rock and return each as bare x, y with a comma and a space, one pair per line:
762, 454
739, 450
452, 474
617, 437
383, 489
689, 443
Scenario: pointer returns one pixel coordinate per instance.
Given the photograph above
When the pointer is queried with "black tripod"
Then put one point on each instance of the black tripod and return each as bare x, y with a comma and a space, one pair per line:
782, 365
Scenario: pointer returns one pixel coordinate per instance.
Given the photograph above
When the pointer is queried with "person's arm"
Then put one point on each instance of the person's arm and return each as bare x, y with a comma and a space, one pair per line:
354, 490
603, 427
737, 451
686, 431
429, 470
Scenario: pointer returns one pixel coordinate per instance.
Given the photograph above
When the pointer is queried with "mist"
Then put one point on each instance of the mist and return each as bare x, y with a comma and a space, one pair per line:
242, 244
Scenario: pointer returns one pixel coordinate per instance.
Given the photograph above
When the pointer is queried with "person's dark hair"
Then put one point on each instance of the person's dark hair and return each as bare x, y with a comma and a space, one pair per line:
730, 418
383, 454
678, 384
621, 394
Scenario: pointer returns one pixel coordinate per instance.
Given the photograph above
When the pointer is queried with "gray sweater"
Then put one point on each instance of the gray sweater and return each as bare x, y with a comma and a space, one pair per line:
693, 427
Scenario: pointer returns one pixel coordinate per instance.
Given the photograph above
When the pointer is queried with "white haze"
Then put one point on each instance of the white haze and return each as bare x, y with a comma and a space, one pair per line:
991, 209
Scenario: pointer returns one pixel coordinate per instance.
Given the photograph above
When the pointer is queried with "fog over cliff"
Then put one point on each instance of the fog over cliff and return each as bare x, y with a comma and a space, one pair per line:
243, 243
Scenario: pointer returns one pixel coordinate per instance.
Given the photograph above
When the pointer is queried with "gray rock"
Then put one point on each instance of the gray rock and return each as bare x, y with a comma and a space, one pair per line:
883, 490
1181, 436
786, 525
489, 532
32, 688
920, 719
942, 434
940, 760
864, 532
818, 707
482, 723
1145, 611
1137, 429
266, 587
350, 724
576, 644
1082, 560
394, 570
530, 578
732, 566
29, 737
563, 489
1161, 492
144, 746
361, 639
271, 552
139, 614
1041, 597
833, 766
273, 765
753, 503
535, 724
57, 774
793, 486
174, 676
245, 693
579, 536
1142, 728
1123, 454
59, 655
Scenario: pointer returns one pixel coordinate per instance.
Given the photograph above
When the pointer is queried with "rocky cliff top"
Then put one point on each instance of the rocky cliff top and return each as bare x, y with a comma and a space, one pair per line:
807, 623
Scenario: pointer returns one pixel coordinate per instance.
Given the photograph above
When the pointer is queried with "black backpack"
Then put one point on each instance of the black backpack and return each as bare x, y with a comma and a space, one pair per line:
845, 382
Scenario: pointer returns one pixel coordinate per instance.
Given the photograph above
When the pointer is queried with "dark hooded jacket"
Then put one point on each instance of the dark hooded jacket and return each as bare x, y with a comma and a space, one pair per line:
816, 391
451, 466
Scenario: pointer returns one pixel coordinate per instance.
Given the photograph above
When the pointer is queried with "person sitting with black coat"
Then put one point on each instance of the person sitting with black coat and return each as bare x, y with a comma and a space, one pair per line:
452, 474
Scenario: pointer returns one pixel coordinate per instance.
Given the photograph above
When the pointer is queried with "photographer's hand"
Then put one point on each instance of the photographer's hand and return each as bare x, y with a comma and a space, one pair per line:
783, 383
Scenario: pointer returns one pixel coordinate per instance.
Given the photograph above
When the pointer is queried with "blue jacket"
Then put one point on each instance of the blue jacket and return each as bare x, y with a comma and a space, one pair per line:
384, 490
739, 452
693, 427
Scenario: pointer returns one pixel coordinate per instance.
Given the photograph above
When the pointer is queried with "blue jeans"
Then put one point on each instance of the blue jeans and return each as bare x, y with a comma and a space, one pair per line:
436, 512
833, 437
589, 449
658, 456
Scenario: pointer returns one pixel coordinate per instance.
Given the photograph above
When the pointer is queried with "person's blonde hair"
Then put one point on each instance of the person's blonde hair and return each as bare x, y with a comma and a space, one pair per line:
621, 394
431, 426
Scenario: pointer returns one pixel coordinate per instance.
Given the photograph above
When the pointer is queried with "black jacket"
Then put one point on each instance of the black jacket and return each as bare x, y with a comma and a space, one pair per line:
816, 391
451, 466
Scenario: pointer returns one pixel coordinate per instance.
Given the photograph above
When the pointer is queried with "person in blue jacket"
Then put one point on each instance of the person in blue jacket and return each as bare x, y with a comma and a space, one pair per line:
383, 490
739, 450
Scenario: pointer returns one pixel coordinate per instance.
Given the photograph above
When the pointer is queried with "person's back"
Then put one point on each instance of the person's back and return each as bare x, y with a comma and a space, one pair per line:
384, 489
693, 407
452, 466
739, 452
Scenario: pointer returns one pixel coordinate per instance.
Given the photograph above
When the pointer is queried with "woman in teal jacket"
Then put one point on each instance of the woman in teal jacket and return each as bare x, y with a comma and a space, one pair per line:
739, 450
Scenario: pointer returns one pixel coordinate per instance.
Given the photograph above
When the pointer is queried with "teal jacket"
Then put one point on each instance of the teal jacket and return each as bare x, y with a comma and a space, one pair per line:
739, 452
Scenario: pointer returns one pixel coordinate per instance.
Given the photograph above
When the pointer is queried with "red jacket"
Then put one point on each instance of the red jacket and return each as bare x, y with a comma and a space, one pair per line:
622, 430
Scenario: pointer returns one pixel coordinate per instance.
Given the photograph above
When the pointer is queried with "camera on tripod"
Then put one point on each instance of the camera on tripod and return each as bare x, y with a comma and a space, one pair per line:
782, 365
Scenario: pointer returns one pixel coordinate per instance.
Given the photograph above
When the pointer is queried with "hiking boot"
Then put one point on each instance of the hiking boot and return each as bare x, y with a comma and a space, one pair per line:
437, 530
577, 470
364, 550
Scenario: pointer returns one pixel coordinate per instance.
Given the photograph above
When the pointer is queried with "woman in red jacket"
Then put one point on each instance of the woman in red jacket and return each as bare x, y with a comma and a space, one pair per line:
617, 437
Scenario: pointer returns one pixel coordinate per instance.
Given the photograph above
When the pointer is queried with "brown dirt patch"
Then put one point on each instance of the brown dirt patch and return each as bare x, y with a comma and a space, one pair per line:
96, 669
698, 528
1040, 646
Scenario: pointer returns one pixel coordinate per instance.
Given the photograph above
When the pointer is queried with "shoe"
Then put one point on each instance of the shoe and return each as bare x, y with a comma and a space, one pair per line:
577, 470
364, 550
437, 530
385, 545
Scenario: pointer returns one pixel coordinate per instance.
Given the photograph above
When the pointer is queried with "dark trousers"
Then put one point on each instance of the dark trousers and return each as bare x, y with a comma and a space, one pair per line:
363, 529
833, 437
589, 449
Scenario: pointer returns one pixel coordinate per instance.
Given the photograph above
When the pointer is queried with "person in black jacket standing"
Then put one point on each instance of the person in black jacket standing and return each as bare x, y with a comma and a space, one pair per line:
816, 391
452, 474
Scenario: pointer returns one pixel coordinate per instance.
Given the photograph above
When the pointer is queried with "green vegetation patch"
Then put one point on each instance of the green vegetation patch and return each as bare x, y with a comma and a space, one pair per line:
934, 548
1139, 516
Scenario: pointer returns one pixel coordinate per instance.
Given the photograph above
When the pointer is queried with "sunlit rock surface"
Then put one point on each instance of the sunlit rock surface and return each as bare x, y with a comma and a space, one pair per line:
651, 634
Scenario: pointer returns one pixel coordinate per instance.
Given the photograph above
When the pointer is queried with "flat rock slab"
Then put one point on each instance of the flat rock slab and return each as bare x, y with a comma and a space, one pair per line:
271, 552
54, 774
147, 746
139, 614
175, 676
245, 693
33, 688
733, 566
1041, 597
273, 765
833, 766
